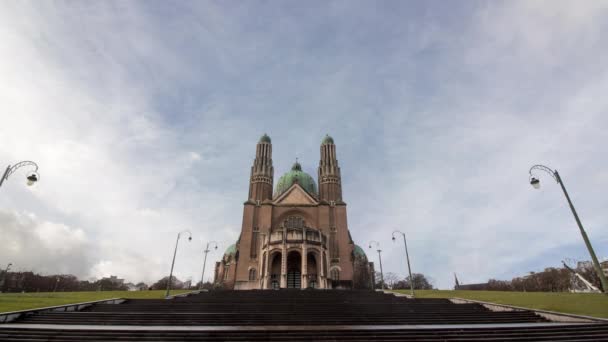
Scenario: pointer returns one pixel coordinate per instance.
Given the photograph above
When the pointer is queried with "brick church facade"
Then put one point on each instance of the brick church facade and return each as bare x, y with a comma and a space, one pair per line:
296, 236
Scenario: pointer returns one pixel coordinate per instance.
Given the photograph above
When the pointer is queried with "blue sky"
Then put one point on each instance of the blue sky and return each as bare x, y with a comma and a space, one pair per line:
143, 117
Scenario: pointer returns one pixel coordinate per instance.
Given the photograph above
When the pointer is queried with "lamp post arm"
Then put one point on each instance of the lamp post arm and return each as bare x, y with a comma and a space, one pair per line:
546, 169
11, 169
596, 264
5, 176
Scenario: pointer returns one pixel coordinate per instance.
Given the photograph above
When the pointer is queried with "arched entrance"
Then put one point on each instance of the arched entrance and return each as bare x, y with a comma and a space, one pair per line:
275, 271
294, 270
334, 275
312, 272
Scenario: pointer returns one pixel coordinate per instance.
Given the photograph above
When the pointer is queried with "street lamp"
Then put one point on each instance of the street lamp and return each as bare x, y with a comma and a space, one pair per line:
32, 176
535, 182
407, 256
380, 259
173, 263
205, 262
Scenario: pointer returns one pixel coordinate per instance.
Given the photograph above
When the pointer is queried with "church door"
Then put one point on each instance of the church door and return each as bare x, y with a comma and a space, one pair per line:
275, 270
294, 279
294, 270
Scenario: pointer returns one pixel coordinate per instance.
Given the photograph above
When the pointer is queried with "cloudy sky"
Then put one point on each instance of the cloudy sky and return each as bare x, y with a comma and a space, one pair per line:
143, 117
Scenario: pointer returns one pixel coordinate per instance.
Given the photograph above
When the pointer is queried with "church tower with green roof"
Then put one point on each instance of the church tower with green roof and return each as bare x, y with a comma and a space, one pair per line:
262, 172
330, 182
296, 236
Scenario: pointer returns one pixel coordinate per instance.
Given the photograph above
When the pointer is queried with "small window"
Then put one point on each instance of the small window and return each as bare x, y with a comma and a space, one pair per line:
252, 274
226, 272
335, 274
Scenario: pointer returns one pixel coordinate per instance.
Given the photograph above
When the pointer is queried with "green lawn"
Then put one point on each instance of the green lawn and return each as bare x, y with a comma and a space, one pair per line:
575, 303
24, 301
590, 304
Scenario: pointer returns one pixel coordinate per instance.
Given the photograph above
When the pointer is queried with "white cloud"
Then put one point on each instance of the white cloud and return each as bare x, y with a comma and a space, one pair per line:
143, 121
47, 247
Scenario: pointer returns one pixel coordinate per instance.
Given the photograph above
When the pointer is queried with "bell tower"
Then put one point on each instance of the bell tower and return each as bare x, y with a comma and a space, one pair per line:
330, 181
262, 172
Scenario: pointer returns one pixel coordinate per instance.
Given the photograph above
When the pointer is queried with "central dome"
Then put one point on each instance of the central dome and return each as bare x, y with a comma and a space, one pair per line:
296, 175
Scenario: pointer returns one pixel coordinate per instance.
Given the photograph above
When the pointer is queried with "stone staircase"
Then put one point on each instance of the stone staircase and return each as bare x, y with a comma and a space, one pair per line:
295, 315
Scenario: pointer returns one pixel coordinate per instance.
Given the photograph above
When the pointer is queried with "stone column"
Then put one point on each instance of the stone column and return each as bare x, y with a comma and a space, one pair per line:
321, 267
304, 283
284, 267
265, 269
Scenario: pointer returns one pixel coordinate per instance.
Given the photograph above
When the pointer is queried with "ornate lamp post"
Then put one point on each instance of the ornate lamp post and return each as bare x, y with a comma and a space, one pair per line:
32, 176
173, 262
205, 262
380, 259
407, 256
535, 182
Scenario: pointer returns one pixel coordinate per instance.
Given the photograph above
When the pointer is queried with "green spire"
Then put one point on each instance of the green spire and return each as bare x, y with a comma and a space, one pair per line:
265, 139
327, 140
296, 166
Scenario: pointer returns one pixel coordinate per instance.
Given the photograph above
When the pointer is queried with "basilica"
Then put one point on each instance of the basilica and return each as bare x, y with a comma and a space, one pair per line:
296, 236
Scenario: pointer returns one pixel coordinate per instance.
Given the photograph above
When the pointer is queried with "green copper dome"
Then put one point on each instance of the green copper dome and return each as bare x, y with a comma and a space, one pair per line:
359, 252
296, 175
327, 140
231, 250
265, 139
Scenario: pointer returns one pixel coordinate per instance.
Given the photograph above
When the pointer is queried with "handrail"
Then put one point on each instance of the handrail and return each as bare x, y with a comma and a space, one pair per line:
185, 294
545, 313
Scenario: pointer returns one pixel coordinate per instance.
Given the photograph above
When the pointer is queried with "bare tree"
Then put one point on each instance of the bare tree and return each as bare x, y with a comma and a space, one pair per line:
390, 279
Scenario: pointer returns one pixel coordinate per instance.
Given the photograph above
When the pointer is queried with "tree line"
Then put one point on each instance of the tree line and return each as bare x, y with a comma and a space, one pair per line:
32, 282
550, 279
393, 281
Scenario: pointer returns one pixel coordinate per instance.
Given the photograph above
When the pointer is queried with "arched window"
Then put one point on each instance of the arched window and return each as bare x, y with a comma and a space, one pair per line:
226, 272
334, 274
252, 274
294, 222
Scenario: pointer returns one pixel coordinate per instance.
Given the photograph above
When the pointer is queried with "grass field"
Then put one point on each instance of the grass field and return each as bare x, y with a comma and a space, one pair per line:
589, 304
24, 301
575, 303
